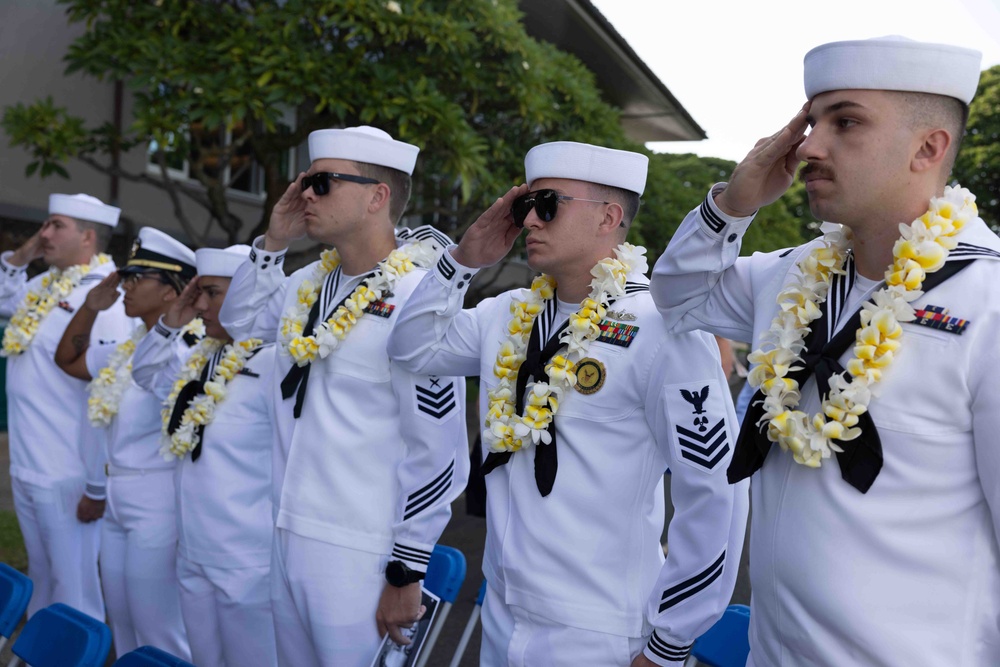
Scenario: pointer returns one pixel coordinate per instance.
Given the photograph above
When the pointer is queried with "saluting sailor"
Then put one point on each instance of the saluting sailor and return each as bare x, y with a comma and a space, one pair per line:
369, 456
587, 401
139, 536
219, 422
874, 537
48, 422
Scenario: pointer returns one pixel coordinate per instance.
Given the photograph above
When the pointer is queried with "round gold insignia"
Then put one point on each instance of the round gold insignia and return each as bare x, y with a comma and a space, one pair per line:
590, 375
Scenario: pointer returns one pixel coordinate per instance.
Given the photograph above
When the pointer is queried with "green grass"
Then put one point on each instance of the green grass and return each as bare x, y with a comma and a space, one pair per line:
11, 543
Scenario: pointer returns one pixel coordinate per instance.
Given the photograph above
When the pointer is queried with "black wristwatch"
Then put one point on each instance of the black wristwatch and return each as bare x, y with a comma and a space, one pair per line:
399, 575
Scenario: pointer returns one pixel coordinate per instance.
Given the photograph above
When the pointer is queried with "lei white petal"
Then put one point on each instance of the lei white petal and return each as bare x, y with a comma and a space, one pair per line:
506, 431
922, 249
108, 387
328, 335
55, 286
202, 409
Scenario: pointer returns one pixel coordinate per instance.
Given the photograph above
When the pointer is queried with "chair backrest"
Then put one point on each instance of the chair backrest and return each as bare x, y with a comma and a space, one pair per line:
15, 593
150, 656
60, 636
727, 643
445, 573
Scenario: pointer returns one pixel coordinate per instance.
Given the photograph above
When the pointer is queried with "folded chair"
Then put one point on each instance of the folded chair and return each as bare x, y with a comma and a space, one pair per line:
15, 593
445, 574
150, 656
60, 636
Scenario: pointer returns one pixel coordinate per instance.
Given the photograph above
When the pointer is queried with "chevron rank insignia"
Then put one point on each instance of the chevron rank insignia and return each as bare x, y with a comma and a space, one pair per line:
436, 398
380, 308
699, 433
937, 317
617, 333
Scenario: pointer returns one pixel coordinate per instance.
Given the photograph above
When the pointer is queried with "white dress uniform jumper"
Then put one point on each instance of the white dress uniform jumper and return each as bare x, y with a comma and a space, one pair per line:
578, 576
51, 441
363, 475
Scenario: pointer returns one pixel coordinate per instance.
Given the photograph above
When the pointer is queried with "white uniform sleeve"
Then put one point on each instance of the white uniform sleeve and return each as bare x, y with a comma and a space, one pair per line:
433, 333
690, 412
435, 467
13, 285
700, 282
94, 450
252, 307
985, 386
155, 363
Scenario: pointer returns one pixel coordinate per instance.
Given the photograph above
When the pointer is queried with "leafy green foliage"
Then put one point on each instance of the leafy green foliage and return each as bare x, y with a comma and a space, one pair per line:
978, 165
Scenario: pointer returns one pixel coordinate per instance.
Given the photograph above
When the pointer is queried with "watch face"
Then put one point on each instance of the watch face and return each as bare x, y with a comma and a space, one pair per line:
396, 573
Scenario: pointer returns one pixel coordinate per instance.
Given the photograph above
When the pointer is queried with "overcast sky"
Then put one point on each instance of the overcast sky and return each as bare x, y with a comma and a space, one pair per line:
736, 65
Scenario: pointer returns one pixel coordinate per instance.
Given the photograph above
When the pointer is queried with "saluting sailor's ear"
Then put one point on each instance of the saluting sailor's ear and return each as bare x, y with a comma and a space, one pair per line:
380, 198
613, 214
932, 150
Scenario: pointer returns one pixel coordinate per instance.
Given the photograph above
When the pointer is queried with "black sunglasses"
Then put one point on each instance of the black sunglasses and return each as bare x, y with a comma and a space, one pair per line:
320, 181
545, 203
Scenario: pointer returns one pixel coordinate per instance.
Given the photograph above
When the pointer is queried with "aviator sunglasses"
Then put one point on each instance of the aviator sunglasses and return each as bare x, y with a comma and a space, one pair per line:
545, 203
320, 181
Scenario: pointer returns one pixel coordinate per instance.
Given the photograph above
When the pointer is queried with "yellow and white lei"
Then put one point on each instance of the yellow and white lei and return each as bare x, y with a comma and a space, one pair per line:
328, 335
922, 249
55, 286
508, 432
107, 388
201, 411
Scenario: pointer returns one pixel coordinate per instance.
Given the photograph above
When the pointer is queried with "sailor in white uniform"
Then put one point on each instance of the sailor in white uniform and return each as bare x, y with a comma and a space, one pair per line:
368, 456
46, 407
875, 518
139, 536
587, 401
223, 479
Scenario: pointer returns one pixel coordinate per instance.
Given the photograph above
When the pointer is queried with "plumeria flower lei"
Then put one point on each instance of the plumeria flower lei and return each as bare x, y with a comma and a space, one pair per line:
328, 335
55, 286
922, 248
201, 411
508, 432
108, 387
191, 370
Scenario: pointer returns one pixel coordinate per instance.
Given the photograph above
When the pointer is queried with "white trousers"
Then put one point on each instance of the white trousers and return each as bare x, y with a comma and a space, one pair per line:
514, 637
62, 551
324, 598
139, 564
227, 613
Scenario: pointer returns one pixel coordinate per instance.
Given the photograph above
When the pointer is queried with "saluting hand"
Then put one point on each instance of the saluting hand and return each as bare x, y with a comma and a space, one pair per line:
766, 172
104, 294
288, 218
29, 251
492, 235
182, 309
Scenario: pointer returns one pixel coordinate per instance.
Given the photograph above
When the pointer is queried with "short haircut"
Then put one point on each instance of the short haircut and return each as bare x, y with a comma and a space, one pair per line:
399, 183
102, 232
628, 200
928, 111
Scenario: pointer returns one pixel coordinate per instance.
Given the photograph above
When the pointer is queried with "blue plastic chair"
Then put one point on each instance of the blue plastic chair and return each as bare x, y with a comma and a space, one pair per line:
150, 656
727, 643
470, 627
445, 575
15, 593
60, 636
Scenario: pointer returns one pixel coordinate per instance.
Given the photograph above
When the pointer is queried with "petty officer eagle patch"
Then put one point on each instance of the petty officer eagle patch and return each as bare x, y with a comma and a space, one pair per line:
699, 431
435, 398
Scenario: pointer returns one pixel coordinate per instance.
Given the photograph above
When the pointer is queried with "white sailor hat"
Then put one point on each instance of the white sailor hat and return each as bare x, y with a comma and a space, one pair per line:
221, 262
893, 63
584, 162
155, 251
363, 144
84, 207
